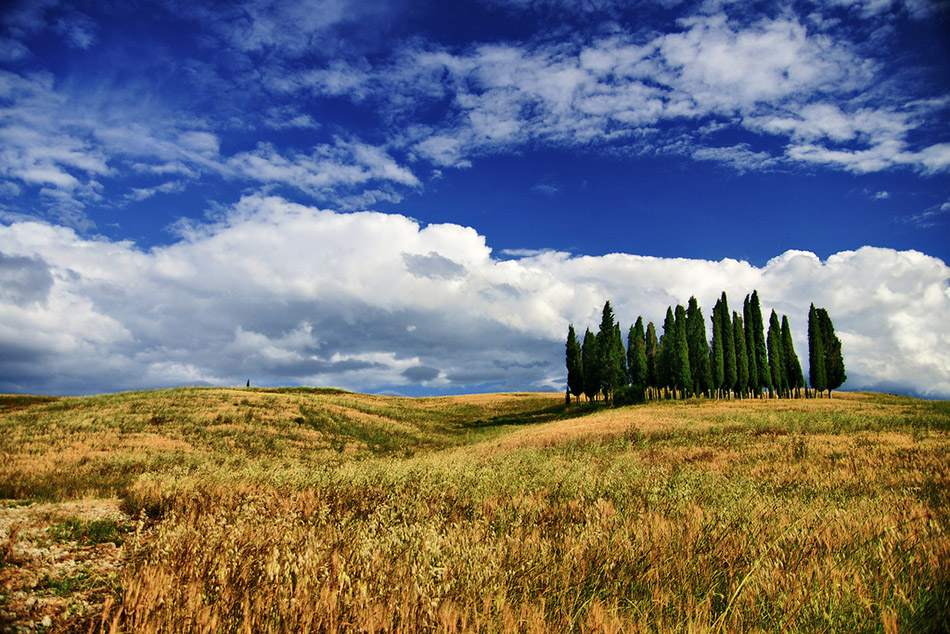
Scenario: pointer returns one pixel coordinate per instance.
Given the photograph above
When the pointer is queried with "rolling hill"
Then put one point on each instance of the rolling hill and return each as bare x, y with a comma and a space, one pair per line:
272, 510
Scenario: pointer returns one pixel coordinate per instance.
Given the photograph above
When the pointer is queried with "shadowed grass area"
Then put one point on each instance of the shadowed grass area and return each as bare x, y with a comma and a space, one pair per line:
324, 510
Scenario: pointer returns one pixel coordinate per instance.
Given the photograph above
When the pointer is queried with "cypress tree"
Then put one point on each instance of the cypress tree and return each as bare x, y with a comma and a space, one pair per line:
664, 356
682, 378
590, 363
730, 374
750, 346
575, 371
742, 359
637, 354
715, 354
761, 351
610, 352
650, 347
698, 348
776, 356
621, 353
816, 353
793, 367
834, 363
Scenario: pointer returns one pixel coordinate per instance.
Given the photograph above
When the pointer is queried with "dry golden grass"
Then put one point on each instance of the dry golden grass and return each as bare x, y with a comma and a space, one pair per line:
274, 511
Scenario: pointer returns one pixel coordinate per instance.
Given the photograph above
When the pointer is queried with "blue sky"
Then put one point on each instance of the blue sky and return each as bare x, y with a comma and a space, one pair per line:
417, 197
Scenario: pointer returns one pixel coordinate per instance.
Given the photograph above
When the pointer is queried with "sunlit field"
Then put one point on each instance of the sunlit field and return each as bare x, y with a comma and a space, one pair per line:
258, 510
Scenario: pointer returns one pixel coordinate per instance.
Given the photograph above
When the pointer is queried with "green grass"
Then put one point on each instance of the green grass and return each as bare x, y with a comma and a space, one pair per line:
88, 532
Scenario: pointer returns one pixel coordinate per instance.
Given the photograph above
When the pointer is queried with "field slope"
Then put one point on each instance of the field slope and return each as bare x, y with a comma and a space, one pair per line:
274, 510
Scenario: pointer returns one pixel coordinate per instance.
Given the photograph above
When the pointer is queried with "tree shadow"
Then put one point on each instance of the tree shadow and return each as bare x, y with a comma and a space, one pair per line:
534, 417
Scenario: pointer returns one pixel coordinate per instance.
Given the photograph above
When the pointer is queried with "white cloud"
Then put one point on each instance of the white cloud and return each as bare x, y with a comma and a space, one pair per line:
78, 29
932, 159
720, 66
70, 150
929, 217
816, 91
739, 157
282, 293
325, 170
143, 193
772, 76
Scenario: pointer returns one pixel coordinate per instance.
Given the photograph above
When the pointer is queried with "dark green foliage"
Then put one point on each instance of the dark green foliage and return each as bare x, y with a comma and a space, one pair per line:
816, 353
637, 354
664, 356
651, 348
629, 395
750, 345
716, 358
590, 364
834, 363
610, 353
730, 374
682, 377
621, 356
793, 367
742, 359
698, 348
761, 351
776, 355
575, 368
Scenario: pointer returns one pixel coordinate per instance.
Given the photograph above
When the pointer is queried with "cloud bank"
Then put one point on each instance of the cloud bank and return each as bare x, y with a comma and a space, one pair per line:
283, 293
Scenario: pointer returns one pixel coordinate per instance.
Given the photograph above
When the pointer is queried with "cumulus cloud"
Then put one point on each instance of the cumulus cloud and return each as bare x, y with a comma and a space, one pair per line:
288, 294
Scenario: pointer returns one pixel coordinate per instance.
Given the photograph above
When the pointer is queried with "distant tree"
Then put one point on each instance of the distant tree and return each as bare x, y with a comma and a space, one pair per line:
637, 355
750, 345
590, 364
698, 348
834, 363
716, 359
776, 355
682, 378
651, 348
742, 359
575, 369
664, 356
793, 367
816, 353
761, 351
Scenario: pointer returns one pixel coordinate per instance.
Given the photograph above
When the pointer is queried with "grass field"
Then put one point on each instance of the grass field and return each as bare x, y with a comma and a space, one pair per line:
279, 510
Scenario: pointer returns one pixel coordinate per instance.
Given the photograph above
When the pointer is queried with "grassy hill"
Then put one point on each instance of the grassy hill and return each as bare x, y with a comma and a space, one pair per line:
270, 510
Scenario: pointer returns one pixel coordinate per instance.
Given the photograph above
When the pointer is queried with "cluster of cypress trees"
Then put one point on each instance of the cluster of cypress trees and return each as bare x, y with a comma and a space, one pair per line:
825, 363
743, 359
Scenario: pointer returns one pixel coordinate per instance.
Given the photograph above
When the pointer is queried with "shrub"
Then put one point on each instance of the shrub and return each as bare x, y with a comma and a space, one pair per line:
629, 395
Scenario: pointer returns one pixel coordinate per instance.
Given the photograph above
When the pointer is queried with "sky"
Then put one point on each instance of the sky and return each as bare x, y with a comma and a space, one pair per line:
417, 197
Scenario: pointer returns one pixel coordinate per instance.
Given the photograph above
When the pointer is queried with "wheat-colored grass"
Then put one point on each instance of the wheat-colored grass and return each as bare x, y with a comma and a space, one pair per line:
326, 511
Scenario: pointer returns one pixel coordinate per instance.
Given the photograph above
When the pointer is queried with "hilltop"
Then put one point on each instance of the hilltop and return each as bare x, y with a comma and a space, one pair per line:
317, 509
